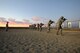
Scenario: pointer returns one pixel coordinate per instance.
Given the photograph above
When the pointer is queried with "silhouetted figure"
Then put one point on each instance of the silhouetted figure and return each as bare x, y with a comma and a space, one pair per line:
59, 23
49, 24
33, 26
29, 26
40, 26
7, 26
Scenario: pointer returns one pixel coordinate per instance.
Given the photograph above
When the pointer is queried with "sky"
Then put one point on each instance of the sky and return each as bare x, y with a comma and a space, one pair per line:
22, 13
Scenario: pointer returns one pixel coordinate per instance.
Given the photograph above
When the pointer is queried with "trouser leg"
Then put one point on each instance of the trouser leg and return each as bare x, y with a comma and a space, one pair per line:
57, 31
6, 29
48, 30
61, 31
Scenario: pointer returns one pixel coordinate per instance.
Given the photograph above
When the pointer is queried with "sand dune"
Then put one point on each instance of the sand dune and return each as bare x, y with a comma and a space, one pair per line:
33, 41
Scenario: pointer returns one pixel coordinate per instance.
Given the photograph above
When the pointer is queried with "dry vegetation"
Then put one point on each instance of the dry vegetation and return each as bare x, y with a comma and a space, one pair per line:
33, 41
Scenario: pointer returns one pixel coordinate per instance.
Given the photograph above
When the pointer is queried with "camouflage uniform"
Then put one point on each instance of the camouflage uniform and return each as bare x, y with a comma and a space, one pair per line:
33, 26
49, 24
40, 26
59, 23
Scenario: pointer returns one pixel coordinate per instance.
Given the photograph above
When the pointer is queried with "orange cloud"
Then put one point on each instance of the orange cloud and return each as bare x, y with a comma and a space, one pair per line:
14, 23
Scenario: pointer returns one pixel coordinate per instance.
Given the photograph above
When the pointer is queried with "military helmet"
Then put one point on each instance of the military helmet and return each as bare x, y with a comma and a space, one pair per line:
62, 17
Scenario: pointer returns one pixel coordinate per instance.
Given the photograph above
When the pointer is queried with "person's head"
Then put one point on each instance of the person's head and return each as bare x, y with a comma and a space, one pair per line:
62, 17
7, 22
51, 21
34, 24
41, 24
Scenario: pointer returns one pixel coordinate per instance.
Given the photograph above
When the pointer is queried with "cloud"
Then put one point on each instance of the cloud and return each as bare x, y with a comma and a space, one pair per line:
35, 18
19, 22
24, 21
11, 20
2, 19
27, 21
14, 23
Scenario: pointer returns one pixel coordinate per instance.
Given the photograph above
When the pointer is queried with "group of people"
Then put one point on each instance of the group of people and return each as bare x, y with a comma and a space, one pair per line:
58, 25
36, 26
39, 25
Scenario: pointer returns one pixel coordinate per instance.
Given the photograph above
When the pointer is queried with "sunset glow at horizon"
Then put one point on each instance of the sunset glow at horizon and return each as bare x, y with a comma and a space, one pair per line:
3, 24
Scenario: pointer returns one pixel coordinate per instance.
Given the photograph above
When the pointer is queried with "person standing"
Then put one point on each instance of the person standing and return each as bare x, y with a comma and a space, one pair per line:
7, 26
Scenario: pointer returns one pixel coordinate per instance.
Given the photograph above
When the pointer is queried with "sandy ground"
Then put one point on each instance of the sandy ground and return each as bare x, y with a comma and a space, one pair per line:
32, 41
